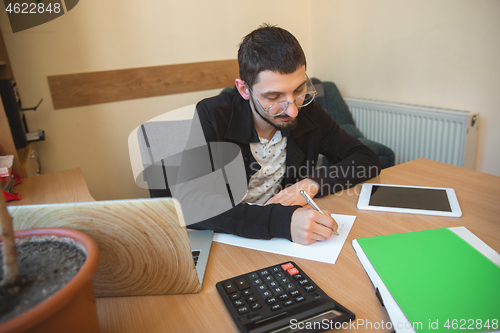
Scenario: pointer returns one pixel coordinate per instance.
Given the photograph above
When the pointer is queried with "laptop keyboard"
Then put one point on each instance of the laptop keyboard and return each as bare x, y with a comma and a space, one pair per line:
196, 255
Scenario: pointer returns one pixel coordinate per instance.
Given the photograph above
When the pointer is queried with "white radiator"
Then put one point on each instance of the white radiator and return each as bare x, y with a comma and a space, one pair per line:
412, 131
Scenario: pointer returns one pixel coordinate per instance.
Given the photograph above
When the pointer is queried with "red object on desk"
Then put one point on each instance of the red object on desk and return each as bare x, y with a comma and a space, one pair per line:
11, 196
17, 180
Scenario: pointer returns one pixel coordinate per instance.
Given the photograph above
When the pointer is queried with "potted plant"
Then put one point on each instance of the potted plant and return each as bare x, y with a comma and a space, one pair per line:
71, 308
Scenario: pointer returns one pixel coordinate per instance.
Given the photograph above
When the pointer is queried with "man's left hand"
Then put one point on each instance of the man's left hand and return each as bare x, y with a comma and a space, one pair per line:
291, 195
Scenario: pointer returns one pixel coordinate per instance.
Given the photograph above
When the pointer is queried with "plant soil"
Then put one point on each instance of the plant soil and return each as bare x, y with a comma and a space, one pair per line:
46, 264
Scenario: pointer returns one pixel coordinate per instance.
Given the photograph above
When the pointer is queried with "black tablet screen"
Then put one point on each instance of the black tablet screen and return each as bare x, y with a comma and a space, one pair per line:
408, 197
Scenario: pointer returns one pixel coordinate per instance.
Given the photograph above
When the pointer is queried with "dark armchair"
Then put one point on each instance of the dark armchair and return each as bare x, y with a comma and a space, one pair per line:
332, 101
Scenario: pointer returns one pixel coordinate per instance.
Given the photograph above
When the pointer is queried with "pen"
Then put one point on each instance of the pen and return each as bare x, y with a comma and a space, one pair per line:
313, 205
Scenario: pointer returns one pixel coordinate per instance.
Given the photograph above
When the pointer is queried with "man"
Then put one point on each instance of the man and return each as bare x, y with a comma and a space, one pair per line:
272, 116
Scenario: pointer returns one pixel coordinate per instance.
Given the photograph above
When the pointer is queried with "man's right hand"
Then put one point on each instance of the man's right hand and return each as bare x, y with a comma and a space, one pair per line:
309, 226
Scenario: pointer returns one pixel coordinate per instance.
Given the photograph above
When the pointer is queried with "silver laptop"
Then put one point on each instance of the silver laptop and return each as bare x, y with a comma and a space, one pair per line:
201, 242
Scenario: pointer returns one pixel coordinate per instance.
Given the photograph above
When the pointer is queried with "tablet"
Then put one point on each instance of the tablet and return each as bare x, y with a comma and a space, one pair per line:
409, 199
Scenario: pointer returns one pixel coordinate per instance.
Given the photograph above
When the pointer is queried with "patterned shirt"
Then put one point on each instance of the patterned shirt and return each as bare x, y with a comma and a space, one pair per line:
271, 156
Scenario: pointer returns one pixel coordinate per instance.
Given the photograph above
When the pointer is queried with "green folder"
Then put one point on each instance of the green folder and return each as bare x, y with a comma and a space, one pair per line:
438, 280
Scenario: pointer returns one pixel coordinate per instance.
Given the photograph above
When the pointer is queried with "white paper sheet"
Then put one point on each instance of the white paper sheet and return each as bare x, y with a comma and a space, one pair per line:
324, 251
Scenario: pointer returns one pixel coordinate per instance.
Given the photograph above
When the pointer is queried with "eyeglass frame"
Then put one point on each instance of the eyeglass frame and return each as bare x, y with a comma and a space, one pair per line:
314, 93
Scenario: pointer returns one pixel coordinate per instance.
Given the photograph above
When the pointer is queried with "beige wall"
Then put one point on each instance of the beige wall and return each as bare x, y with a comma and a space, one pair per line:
103, 35
442, 53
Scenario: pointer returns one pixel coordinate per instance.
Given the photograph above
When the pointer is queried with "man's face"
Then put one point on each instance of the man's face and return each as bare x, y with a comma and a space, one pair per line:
273, 87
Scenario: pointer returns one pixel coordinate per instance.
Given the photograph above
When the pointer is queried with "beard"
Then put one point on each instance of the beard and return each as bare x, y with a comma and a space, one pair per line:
284, 127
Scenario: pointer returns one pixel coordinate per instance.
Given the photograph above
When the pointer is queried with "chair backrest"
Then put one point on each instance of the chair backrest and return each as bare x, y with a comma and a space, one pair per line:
151, 143
171, 157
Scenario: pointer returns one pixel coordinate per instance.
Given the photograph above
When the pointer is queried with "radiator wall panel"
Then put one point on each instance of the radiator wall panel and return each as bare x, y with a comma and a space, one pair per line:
412, 132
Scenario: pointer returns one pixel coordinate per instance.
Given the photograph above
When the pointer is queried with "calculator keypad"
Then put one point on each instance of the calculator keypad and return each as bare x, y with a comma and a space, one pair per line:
271, 296
276, 287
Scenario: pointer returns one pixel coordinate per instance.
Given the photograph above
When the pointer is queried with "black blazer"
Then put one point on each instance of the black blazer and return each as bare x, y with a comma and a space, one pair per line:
228, 118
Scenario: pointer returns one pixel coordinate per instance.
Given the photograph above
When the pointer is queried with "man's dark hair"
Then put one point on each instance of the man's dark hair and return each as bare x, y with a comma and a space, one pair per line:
269, 48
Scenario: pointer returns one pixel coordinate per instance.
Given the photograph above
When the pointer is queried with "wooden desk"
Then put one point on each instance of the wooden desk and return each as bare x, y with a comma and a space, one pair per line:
55, 187
346, 281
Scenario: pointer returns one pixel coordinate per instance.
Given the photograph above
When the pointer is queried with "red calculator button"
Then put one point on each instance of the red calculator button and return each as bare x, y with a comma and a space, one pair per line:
287, 266
293, 271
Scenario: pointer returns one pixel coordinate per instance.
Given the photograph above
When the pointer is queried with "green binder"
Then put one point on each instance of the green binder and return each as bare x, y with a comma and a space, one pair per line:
440, 281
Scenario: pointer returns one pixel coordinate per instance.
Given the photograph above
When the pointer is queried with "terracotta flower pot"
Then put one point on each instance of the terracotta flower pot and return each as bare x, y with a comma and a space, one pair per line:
73, 307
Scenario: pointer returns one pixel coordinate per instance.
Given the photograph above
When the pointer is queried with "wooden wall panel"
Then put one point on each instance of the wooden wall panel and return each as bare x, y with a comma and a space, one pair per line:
80, 89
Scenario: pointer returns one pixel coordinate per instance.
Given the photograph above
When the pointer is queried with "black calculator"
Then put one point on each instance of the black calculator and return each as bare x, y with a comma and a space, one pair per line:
280, 298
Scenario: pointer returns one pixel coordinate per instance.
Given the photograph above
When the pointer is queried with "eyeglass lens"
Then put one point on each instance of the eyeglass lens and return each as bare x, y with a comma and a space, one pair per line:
301, 101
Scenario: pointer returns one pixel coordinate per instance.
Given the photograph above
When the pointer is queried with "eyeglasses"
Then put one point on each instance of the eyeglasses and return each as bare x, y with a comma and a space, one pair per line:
302, 100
